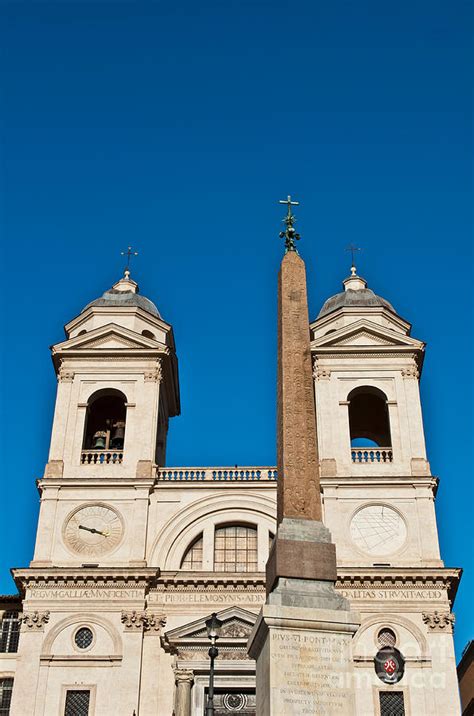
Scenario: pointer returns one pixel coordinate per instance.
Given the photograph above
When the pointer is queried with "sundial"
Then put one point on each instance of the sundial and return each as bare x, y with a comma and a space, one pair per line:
378, 529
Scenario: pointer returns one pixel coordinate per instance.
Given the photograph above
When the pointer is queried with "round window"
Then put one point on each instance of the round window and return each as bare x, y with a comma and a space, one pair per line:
83, 638
386, 637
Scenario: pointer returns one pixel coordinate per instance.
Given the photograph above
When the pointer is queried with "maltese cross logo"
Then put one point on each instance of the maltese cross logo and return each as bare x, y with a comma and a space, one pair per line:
390, 666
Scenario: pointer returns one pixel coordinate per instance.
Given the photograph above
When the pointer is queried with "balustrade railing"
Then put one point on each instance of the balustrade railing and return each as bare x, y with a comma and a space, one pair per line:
368, 455
216, 474
101, 457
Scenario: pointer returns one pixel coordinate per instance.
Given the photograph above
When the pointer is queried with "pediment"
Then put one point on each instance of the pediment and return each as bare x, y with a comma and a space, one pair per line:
365, 334
107, 338
365, 338
237, 624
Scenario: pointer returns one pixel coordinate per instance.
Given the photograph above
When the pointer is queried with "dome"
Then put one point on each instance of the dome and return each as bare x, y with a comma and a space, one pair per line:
355, 295
124, 294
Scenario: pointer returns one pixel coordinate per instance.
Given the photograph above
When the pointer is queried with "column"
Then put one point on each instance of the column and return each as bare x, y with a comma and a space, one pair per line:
184, 679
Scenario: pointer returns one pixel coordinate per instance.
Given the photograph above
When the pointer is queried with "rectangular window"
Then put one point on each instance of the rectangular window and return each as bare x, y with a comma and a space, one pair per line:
10, 633
77, 703
6, 687
392, 703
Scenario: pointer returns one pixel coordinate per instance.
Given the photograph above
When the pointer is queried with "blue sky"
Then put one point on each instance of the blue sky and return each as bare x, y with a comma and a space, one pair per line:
177, 127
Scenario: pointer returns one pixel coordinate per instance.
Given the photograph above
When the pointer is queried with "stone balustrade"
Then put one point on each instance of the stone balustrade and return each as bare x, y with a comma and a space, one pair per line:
367, 455
216, 474
101, 457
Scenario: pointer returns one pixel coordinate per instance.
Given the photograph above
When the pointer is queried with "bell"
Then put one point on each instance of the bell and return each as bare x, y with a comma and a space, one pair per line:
98, 441
118, 435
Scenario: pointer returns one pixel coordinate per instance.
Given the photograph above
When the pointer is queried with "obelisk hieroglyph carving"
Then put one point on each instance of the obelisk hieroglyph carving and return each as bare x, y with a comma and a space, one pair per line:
301, 640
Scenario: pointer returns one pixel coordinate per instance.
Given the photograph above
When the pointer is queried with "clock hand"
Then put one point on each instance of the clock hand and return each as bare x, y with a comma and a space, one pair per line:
94, 531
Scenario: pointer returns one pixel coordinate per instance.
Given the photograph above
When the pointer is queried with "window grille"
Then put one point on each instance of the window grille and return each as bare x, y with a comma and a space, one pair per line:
77, 703
392, 703
386, 637
193, 557
83, 638
10, 633
6, 687
235, 549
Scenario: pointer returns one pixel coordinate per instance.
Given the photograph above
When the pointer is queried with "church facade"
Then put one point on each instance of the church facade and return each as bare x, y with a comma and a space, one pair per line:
132, 556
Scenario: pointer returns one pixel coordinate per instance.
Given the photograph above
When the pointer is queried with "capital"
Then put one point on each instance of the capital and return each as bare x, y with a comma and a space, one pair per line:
34, 621
184, 676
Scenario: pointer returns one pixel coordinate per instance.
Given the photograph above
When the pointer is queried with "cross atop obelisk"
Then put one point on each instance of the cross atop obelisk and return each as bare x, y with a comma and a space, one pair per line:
289, 234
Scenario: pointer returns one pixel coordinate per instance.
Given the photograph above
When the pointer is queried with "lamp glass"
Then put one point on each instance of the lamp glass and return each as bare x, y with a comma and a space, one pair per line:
213, 626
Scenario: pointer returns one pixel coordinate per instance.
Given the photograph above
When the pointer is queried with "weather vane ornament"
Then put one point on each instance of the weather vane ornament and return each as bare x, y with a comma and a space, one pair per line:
128, 253
289, 234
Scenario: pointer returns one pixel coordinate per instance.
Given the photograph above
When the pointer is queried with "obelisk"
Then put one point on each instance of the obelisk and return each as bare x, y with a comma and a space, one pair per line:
301, 640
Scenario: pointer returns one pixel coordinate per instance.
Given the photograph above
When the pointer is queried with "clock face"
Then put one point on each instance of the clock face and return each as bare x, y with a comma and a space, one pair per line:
378, 530
93, 530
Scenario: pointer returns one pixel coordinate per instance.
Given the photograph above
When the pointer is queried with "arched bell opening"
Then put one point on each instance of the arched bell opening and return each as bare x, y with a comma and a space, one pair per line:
105, 421
369, 422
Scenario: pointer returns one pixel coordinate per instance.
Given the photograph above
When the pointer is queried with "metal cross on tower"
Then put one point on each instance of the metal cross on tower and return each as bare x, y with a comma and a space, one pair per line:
353, 248
289, 234
128, 253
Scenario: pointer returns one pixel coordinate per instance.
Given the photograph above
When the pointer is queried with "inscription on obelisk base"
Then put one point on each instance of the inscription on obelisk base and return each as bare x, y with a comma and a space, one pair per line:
303, 662
301, 640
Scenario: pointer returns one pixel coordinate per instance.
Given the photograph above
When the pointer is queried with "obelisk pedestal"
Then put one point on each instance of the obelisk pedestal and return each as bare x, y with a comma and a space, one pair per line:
301, 640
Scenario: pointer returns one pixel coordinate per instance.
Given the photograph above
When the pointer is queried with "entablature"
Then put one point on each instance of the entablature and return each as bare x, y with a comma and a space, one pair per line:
84, 577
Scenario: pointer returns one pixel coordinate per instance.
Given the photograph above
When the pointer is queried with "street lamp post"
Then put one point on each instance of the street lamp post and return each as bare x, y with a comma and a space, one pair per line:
213, 626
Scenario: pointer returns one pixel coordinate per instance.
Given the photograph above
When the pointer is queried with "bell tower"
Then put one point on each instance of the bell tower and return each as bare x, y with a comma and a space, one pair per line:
117, 388
379, 503
373, 455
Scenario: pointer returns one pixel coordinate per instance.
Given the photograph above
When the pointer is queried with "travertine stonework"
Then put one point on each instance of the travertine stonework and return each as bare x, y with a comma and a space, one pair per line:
164, 510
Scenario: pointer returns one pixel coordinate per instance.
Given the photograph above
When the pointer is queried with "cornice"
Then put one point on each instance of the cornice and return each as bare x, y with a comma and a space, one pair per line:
116, 311
380, 480
88, 578
400, 577
347, 578
378, 351
96, 482
197, 581
365, 312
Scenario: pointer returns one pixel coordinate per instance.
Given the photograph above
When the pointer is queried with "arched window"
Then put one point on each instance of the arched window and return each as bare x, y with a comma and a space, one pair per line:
105, 422
235, 549
368, 418
193, 557
148, 334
